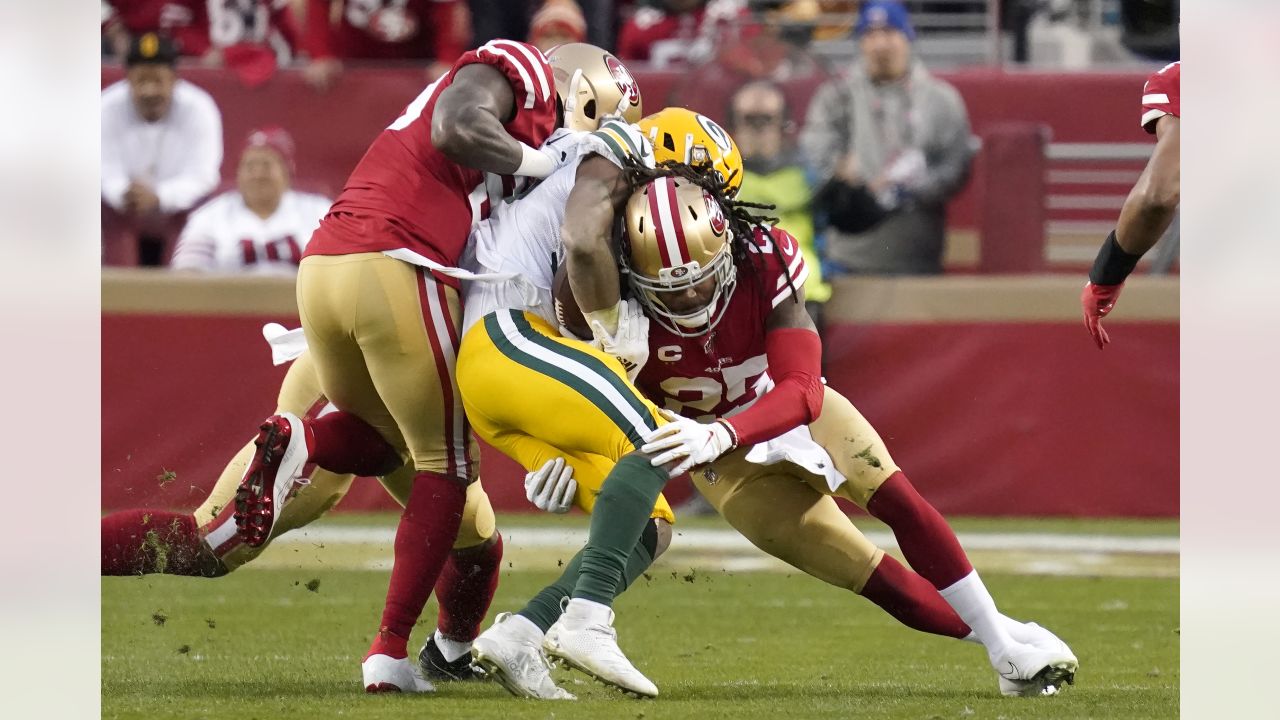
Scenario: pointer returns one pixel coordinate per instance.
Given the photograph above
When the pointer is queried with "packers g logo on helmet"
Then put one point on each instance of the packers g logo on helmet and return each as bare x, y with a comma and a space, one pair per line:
592, 85
678, 239
684, 136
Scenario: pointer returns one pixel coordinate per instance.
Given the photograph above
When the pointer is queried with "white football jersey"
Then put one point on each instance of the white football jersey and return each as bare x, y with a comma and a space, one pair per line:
522, 235
224, 235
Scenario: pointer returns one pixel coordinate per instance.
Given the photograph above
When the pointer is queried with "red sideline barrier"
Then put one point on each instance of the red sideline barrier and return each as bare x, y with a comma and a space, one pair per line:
987, 419
334, 129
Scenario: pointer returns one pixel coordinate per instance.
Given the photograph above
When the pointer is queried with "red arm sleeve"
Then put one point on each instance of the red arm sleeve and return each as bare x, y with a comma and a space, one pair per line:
445, 28
318, 42
795, 364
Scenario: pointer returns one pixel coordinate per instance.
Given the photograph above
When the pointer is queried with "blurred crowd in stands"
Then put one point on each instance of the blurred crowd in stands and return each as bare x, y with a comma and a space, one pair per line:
863, 182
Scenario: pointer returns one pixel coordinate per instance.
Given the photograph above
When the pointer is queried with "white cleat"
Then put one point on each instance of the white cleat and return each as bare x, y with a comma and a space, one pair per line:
383, 673
510, 651
1037, 669
585, 640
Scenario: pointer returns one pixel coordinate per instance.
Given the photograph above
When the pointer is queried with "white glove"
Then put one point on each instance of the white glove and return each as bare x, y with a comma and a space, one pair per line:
551, 488
627, 338
696, 442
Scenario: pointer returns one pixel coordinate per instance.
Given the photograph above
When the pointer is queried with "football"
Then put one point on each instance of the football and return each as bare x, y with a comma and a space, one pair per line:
568, 313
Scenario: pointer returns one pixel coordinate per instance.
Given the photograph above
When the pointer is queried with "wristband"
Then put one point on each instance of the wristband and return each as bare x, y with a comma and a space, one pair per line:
1113, 264
534, 163
733, 432
607, 319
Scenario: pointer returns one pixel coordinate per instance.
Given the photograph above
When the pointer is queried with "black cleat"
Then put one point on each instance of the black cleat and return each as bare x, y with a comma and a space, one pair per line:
437, 669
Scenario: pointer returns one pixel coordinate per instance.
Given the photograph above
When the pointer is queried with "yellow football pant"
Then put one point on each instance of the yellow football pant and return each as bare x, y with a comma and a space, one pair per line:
535, 396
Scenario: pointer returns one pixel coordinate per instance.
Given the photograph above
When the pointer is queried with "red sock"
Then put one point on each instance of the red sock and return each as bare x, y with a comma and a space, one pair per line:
926, 539
343, 443
423, 541
138, 542
911, 600
465, 589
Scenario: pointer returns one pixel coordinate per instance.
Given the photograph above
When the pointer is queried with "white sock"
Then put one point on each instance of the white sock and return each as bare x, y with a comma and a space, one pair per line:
971, 601
451, 649
590, 611
525, 627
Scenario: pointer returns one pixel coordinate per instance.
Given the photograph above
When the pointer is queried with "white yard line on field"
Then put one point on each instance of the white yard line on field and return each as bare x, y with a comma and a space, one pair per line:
727, 540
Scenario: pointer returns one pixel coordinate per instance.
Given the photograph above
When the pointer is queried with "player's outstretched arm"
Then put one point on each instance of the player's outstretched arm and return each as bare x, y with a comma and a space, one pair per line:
1152, 202
1146, 215
467, 125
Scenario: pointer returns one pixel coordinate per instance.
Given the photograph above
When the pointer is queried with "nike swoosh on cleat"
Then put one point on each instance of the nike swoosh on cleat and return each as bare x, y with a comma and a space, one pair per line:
1011, 673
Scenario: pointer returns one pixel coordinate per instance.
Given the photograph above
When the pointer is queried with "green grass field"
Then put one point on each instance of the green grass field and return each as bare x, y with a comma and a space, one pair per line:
283, 638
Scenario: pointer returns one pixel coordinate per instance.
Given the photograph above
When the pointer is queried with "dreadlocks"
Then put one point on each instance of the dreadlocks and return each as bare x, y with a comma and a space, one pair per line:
742, 221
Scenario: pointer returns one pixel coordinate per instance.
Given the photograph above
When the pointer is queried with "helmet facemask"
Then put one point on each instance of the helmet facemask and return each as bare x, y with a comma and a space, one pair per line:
648, 291
678, 239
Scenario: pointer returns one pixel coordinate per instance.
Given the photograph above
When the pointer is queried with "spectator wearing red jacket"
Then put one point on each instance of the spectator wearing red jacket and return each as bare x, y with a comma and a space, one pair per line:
680, 31
435, 31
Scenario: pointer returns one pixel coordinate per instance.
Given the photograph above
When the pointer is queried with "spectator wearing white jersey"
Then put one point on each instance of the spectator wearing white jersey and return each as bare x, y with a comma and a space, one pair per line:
161, 145
260, 227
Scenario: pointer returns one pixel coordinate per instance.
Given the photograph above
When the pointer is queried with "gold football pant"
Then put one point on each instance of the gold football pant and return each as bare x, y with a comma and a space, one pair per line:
300, 394
536, 396
384, 338
789, 513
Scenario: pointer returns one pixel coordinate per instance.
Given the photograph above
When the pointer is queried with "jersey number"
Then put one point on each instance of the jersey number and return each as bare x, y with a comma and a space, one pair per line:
706, 394
285, 249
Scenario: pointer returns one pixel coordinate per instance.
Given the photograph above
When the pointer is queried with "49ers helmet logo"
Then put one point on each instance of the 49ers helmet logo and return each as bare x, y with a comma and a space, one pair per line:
715, 214
626, 84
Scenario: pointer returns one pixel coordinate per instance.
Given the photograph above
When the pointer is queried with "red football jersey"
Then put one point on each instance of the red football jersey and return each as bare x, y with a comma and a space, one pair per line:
406, 194
385, 29
1160, 96
722, 372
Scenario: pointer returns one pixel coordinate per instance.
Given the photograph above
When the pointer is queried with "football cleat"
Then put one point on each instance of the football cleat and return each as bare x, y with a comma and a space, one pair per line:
1040, 638
274, 471
510, 652
437, 669
1028, 670
383, 674
585, 640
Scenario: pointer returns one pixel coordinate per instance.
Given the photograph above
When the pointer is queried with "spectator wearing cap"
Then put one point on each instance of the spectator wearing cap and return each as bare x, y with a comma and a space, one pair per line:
890, 145
161, 145
250, 36
774, 171
432, 32
557, 22
261, 226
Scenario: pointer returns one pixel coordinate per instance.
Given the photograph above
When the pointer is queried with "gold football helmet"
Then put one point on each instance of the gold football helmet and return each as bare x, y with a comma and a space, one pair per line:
679, 241
687, 137
592, 84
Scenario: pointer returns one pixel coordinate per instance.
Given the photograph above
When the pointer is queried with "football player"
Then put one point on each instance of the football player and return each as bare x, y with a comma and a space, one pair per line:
380, 310
512, 350
735, 363
1149, 208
